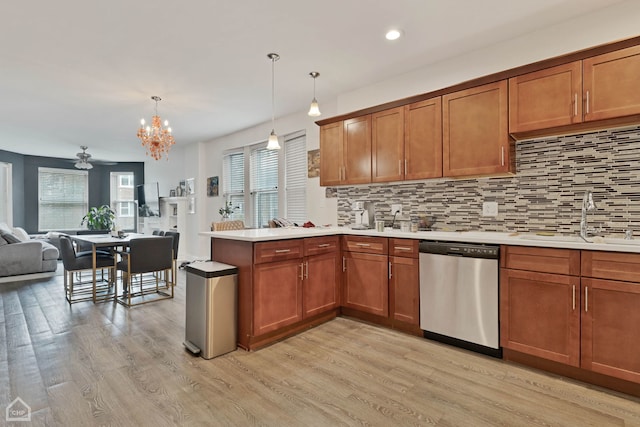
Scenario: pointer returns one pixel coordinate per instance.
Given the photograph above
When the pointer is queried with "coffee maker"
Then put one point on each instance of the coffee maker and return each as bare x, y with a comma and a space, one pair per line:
363, 215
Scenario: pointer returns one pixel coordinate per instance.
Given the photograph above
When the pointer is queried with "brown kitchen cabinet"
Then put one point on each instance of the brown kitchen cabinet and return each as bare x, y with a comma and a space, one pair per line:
423, 139
321, 280
404, 285
475, 132
598, 88
610, 315
540, 302
277, 285
345, 152
331, 163
387, 145
547, 98
365, 274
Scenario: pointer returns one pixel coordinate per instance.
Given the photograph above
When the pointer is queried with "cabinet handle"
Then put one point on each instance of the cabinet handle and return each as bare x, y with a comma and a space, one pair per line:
344, 264
390, 275
306, 273
586, 299
402, 248
574, 297
282, 251
324, 245
502, 155
587, 102
363, 245
575, 104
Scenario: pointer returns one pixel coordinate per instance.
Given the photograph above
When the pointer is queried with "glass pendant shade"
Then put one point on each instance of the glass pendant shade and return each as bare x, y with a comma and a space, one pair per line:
273, 144
314, 109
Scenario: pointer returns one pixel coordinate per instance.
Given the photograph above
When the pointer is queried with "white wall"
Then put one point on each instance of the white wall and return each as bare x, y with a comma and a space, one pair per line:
203, 160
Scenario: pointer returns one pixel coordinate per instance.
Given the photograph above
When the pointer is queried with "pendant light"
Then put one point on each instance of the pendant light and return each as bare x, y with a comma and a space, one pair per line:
273, 138
314, 110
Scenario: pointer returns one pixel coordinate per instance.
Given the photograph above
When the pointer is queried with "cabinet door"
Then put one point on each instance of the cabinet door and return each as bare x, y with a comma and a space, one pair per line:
475, 132
540, 315
611, 84
547, 98
387, 145
321, 283
610, 333
366, 283
423, 139
404, 290
357, 150
331, 160
277, 295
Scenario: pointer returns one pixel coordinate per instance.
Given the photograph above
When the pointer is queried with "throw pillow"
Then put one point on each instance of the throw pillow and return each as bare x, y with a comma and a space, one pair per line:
4, 227
20, 233
2, 241
10, 238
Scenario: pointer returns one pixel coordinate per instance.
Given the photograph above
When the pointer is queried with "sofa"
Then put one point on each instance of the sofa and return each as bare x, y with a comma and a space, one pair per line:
21, 255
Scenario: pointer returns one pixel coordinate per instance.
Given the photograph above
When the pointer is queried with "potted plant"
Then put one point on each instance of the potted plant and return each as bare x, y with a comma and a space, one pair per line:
227, 210
99, 218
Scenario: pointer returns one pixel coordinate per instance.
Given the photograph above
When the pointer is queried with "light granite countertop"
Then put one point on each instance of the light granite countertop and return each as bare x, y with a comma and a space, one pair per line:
487, 237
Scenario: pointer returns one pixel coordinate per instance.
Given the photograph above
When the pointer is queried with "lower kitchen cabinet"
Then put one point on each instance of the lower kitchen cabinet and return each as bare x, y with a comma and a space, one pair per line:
277, 295
404, 281
540, 314
365, 274
586, 320
321, 280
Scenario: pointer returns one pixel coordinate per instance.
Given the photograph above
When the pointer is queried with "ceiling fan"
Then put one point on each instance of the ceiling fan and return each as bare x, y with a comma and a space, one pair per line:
83, 159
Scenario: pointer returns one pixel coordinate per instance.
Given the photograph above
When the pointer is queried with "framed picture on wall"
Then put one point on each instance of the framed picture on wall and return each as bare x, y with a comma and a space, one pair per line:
212, 186
190, 186
313, 163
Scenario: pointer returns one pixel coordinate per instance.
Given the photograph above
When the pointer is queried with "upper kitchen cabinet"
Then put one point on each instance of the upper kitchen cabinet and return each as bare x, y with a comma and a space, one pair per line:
547, 98
423, 139
576, 95
475, 132
331, 163
387, 145
611, 84
356, 150
345, 152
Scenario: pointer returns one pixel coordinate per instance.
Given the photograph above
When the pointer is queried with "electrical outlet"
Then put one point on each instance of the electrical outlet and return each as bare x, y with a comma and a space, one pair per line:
396, 208
490, 209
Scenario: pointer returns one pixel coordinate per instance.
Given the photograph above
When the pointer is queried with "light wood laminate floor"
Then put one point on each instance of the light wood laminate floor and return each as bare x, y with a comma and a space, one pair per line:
104, 364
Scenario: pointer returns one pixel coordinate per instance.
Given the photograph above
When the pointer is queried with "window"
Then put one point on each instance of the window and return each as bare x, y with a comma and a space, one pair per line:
295, 151
273, 184
63, 198
233, 183
122, 199
264, 185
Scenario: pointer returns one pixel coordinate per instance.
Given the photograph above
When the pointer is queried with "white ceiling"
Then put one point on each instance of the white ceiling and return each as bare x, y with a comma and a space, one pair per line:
78, 72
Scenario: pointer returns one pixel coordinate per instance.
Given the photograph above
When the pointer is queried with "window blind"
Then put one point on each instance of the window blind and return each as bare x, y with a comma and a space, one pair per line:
264, 185
233, 183
295, 148
122, 199
63, 198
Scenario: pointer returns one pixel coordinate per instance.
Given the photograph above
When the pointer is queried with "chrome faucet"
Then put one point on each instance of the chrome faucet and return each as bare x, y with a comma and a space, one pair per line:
587, 205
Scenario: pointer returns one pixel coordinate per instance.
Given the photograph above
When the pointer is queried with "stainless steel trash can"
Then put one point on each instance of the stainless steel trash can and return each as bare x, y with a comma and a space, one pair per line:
211, 308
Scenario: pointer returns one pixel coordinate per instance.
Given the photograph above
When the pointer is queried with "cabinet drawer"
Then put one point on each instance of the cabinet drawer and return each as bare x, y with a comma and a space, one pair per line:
320, 245
543, 260
611, 265
370, 245
277, 251
407, 248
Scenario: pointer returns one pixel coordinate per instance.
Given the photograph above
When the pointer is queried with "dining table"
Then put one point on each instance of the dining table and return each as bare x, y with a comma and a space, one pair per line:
101, 241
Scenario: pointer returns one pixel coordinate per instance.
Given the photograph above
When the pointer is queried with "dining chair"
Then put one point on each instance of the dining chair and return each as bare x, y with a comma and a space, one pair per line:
76, 262
146, 255
176, 243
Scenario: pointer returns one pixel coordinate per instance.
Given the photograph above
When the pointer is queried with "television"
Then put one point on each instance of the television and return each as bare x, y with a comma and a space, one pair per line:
148, 200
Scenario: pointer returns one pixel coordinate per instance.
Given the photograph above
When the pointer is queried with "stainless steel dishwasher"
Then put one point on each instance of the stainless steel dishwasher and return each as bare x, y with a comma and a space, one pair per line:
459, 295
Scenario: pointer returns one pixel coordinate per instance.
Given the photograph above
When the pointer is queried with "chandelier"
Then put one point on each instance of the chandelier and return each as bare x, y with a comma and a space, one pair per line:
155, 138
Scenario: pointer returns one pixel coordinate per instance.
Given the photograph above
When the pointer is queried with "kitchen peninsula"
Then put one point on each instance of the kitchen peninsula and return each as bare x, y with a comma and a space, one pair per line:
291, 279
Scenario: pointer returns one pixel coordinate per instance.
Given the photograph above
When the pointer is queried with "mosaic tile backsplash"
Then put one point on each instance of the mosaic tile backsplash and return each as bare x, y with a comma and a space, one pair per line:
545, 194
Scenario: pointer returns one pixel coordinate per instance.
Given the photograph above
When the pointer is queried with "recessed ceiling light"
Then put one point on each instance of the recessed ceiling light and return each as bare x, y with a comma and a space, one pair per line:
393, 34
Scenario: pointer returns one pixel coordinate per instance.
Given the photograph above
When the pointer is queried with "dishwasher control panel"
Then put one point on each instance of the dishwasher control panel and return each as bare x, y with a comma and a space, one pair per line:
472, 250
